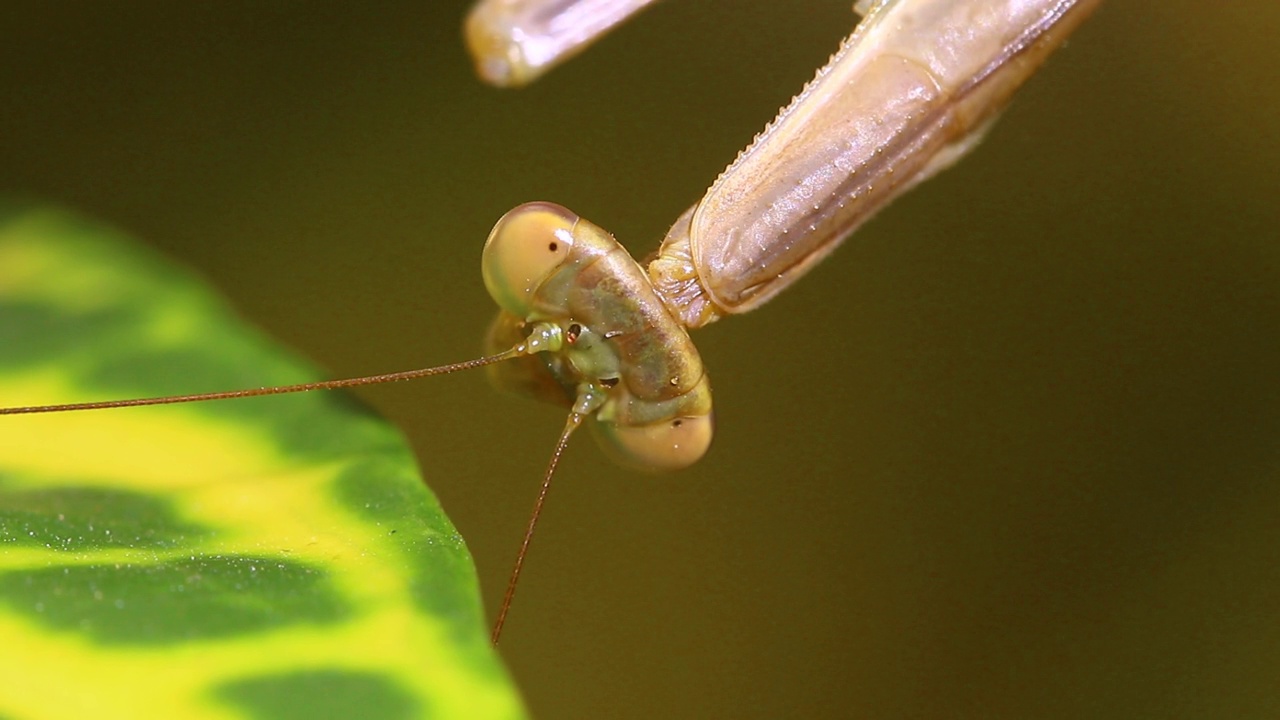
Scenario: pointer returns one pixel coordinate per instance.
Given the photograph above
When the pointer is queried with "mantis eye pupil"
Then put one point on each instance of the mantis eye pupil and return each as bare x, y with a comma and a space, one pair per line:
525, 247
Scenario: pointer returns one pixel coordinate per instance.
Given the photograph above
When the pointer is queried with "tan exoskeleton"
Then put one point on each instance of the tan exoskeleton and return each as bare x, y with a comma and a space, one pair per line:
910, 92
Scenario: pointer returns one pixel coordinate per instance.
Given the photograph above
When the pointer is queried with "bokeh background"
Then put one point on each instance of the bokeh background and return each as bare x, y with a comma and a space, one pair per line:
1014, 451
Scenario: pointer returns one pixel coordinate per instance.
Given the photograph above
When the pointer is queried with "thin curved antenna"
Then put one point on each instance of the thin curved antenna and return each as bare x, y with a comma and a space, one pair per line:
276, 390
574, 421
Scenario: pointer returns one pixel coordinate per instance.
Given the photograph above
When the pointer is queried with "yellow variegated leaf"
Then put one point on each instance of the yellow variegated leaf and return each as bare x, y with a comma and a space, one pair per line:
273, 557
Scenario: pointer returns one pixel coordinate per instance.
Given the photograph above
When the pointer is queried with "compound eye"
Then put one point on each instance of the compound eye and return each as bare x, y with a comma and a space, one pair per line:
668, 445
526, 246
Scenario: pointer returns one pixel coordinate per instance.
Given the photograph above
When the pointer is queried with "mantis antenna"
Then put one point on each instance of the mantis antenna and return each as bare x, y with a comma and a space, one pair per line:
524, 349
573, 423
607, 346
274, 390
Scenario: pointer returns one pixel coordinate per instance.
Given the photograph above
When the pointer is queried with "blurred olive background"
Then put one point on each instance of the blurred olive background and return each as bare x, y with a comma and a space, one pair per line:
1013, 452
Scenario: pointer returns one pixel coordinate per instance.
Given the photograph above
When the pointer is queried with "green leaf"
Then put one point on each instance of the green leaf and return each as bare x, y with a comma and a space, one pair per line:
273, 557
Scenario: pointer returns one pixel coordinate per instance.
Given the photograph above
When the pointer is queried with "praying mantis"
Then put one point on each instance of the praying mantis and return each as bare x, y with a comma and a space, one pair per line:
909, 93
